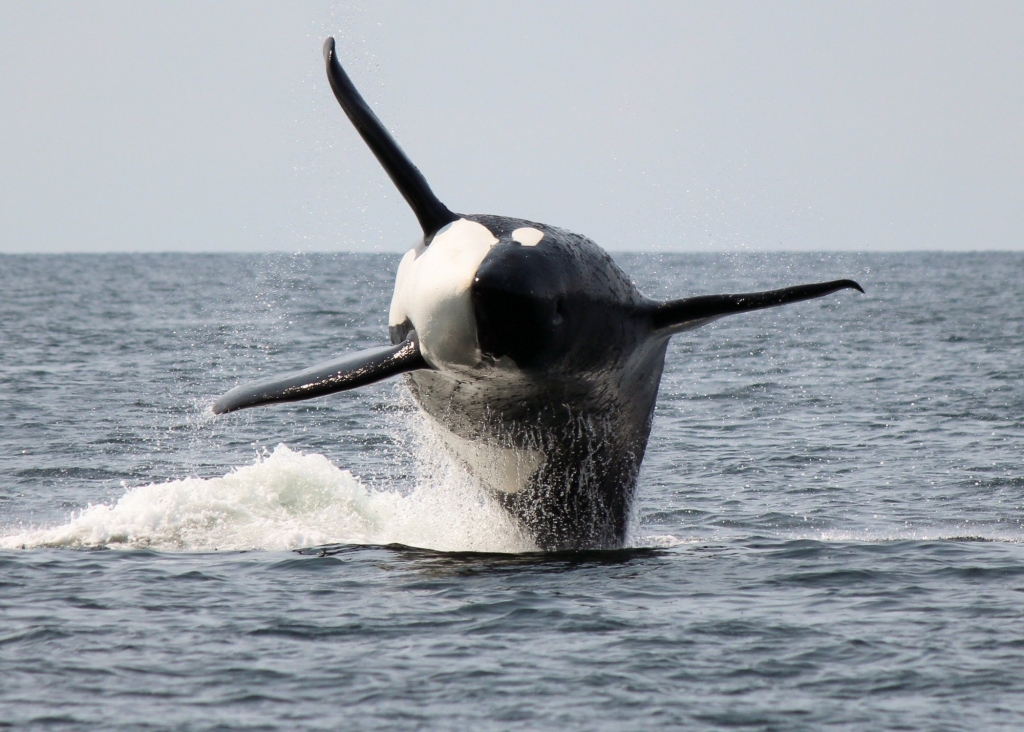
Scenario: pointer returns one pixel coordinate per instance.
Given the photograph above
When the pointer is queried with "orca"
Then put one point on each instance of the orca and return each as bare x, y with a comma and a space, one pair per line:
536, 357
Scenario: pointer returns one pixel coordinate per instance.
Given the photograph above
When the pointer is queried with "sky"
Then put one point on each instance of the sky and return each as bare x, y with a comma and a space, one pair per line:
647, 126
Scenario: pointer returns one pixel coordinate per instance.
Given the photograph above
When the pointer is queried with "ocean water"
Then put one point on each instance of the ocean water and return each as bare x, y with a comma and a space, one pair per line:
828, 533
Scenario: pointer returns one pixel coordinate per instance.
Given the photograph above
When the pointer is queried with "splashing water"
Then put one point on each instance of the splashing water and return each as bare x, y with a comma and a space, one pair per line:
286, 500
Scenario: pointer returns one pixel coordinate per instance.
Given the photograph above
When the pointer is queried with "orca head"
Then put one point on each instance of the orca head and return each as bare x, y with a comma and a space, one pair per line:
522, 302
485, 291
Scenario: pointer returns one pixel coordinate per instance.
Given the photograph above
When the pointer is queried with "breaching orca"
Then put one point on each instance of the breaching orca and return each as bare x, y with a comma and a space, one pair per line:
532, 351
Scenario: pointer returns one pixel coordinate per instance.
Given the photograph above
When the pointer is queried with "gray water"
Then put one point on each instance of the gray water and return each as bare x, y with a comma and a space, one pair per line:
829, 527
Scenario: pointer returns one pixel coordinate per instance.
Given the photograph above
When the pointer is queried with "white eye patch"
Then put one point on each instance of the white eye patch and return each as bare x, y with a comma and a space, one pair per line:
527, 236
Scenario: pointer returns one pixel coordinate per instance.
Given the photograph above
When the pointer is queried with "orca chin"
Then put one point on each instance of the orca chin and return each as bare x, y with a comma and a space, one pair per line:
535, 355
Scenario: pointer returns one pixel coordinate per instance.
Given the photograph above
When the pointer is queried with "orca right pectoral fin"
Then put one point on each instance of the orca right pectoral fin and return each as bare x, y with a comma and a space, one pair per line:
348, 372
693, 312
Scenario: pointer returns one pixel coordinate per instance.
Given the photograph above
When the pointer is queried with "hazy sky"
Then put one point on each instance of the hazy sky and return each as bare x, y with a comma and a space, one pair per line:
199, 126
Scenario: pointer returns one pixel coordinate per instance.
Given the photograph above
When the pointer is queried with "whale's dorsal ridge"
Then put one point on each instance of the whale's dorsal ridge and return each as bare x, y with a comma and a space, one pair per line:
429, 211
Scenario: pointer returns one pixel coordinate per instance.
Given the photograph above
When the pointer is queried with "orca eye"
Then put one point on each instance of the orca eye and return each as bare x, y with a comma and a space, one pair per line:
559, 317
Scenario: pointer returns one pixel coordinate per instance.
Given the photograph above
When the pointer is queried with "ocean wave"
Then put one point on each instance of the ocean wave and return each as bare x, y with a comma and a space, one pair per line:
286, 500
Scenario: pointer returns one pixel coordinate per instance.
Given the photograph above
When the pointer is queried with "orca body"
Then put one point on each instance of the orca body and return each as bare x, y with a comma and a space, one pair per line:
534, 354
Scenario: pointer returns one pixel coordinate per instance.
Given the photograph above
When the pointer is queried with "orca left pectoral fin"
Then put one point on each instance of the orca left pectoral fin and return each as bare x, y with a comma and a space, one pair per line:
680, 315
347, 372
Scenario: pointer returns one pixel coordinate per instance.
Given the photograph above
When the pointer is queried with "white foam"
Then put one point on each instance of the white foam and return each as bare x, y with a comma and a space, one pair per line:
867, 536
286, 500
660, 541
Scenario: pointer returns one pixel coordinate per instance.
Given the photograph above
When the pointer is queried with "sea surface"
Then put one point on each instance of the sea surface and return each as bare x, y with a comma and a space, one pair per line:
829, 530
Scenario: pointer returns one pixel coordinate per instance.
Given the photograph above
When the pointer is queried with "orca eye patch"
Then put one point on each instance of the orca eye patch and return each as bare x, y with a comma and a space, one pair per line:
527, 236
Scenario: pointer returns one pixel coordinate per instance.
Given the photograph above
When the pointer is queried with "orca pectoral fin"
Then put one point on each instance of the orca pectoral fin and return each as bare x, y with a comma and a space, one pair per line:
348, 372
693, 312
431, 213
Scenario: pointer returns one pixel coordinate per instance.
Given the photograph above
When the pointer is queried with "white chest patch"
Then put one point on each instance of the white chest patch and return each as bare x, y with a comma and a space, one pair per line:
432, 291
527, 236
501, 469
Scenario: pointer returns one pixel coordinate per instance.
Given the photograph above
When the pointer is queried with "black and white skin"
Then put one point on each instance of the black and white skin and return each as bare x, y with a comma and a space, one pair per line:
535, 356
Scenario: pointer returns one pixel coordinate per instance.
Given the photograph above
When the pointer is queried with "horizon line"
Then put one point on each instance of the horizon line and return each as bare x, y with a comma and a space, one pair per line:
293, 252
